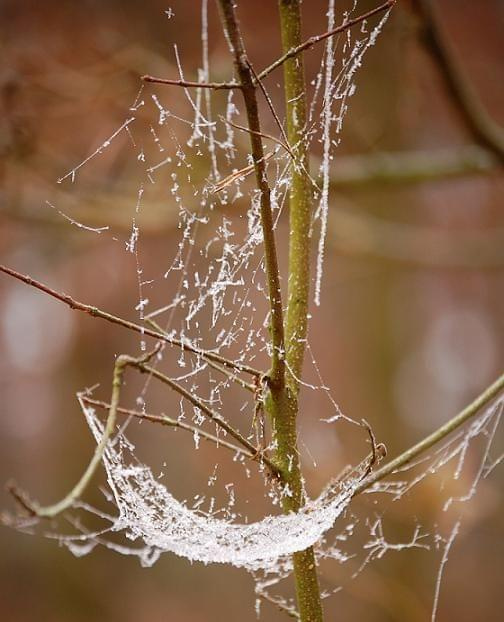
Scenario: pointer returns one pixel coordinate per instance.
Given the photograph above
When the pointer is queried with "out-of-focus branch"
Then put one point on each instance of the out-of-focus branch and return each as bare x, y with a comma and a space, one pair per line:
411, 167
352, 232
482, 126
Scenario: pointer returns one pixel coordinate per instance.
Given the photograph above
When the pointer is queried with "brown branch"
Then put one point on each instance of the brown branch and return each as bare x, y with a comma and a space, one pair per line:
482, 126
168, 421
246, 79
243, 172
270, 105
95, 312
187, 83
330, 33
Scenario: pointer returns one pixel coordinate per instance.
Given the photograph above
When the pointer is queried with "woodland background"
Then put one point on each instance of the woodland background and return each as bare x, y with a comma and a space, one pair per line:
404, 342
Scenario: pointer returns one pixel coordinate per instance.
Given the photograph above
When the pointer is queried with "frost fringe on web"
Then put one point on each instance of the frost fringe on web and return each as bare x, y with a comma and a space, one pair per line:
150, 514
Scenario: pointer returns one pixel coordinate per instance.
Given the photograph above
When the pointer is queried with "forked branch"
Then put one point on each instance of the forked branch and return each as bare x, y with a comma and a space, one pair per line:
50, 511
212, 415
347, 24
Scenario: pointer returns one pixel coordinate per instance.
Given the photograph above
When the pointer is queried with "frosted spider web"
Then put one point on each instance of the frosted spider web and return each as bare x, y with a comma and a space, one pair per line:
214, 298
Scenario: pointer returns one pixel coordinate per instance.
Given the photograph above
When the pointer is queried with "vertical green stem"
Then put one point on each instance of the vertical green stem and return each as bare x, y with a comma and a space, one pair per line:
300, 206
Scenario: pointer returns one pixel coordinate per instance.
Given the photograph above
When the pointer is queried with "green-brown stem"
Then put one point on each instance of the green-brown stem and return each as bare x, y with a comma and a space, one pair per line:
300, 204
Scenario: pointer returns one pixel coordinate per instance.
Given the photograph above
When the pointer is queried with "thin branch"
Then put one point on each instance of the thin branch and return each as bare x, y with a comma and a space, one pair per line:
95, 312
262, 134
429, 441
122, 362
246, 79
270, 104
289, 611
482, 126
330, 33
188, 84
168, 421
378, 450
223, 370
210, 414
243, 172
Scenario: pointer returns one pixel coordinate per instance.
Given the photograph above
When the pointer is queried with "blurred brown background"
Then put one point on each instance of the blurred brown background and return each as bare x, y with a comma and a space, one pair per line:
410, 329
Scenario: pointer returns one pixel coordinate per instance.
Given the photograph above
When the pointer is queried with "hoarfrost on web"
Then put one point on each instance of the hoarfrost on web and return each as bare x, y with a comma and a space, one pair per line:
149, 513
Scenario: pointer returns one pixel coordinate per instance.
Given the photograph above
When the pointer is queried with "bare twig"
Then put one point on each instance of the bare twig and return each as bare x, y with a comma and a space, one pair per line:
262, 134
95, 312
330, 33
482, 126
429, 441
188, 84
243, 172
270, 105
378, 450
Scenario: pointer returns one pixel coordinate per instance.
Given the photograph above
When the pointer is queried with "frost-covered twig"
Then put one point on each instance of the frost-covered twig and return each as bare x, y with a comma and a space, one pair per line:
279, 604
96, 312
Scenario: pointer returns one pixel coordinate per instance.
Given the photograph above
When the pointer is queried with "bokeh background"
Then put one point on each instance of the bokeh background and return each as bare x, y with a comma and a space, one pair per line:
410, 330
